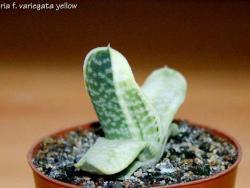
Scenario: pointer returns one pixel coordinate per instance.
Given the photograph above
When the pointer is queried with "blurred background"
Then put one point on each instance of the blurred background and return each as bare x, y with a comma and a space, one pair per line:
41, 55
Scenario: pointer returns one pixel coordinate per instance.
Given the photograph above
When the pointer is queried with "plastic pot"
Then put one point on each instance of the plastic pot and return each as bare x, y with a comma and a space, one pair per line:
224, 179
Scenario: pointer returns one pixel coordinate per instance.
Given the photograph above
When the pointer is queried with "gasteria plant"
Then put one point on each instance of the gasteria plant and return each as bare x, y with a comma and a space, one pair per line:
137, 121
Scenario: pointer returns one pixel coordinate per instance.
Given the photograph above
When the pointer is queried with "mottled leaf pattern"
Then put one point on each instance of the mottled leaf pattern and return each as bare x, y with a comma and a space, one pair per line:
100, 84
128, 114
122, 109
166, 89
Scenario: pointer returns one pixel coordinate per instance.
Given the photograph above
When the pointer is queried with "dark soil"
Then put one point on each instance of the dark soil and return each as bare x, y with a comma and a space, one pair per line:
193, 154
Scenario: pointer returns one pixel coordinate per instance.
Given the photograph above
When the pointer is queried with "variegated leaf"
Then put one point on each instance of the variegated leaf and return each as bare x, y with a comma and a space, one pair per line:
108, 157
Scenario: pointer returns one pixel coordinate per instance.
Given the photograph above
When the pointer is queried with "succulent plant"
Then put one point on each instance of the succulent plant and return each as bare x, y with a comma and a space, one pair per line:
137, 121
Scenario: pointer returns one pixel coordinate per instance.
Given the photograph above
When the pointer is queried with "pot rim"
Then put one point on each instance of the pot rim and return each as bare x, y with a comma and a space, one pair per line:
215, 131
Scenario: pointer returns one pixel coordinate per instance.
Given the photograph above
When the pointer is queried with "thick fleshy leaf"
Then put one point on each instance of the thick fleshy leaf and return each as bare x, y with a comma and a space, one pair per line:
122, 109
126, 111
166, 89
108, 157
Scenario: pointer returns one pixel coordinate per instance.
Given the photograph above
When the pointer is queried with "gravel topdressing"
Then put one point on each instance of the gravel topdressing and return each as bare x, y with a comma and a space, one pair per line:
191, 155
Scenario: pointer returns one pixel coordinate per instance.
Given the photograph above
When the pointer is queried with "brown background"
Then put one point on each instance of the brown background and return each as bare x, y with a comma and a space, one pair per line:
41, 56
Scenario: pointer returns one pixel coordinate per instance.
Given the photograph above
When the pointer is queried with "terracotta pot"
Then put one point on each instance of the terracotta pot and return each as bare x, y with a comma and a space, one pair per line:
225, 179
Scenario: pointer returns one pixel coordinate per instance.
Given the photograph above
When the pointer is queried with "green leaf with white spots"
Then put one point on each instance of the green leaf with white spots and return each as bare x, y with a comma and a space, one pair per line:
99, 80
108, 157
166, 89
129, 113
122, 109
